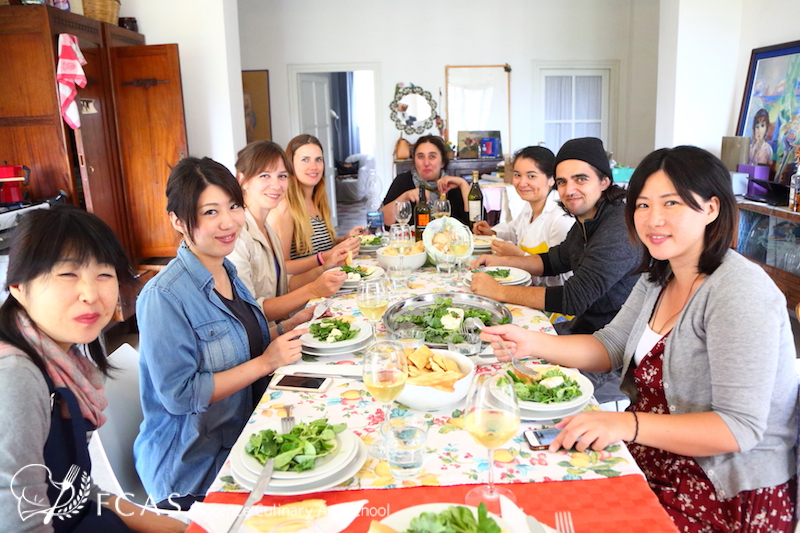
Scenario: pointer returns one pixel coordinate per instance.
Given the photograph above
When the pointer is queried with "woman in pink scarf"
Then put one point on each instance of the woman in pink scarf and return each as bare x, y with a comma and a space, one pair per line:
65, 267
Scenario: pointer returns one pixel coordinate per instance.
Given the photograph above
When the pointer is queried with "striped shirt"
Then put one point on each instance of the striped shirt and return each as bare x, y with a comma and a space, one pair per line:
321, 240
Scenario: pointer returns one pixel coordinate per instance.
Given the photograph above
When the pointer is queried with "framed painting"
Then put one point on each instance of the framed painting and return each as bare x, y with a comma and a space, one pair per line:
257, 120
770, 113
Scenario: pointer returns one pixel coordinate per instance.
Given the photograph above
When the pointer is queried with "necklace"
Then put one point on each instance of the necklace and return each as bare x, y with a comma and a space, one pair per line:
658, 306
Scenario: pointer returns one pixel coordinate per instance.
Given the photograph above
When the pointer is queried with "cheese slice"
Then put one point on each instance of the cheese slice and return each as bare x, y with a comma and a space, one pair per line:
450, 322
348, 260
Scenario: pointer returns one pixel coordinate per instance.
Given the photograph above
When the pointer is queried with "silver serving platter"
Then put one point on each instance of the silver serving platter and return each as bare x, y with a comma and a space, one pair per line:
462, 300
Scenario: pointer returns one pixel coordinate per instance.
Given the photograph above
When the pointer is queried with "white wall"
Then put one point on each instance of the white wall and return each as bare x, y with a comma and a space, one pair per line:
415, 40
207, 34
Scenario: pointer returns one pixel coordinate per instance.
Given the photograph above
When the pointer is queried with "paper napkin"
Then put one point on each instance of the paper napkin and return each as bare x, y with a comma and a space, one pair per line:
218, 517
519, 521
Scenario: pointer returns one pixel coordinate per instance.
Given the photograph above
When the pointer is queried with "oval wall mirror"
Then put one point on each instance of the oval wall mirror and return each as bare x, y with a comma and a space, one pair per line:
478, 99
413, 110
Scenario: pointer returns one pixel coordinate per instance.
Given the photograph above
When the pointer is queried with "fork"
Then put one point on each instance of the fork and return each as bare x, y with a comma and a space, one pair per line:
287, 422
321, 307
72, 475
477, 323
564, 522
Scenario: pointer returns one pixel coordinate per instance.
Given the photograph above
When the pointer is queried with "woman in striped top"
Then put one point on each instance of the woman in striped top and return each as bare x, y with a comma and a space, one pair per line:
302, 220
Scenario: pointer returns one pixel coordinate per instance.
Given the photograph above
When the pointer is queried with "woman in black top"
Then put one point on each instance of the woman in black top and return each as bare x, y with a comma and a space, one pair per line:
430, 162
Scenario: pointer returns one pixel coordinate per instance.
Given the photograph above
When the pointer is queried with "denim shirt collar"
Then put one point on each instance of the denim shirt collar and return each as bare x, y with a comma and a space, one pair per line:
198, 273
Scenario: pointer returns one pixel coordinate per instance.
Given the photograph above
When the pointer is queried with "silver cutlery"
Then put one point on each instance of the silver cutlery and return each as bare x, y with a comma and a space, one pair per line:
477, 323
287, 422
72, 475
326, 375
321, 307
255, 496
564, 522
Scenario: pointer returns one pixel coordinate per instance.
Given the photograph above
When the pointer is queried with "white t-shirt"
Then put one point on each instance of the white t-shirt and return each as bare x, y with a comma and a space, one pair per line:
538, 236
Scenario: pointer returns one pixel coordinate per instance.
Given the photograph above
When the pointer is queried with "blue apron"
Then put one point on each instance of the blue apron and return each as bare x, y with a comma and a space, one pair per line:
66, 446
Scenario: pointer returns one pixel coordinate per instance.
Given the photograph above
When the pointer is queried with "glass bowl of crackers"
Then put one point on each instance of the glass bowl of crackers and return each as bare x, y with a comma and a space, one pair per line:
436, 379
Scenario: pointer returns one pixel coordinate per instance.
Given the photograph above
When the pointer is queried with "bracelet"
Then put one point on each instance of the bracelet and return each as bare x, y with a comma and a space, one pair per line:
320, 260
281, 331
636, 432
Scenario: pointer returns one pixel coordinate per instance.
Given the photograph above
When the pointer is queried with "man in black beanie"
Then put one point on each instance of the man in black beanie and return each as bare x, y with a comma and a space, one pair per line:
597, 250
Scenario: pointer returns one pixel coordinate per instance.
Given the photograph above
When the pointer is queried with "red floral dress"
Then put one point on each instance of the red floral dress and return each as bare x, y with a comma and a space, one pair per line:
683, 488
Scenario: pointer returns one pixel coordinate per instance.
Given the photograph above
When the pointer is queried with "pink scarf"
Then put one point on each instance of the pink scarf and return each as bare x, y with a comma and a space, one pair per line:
67, 369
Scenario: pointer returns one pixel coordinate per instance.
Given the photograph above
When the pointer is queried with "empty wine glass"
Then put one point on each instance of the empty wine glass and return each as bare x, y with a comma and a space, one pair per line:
402, 212
491, 416
385, 373
372, 300
440, 207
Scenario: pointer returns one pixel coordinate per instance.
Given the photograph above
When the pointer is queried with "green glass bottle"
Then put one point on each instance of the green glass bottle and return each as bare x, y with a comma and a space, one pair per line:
475, 199
422, 214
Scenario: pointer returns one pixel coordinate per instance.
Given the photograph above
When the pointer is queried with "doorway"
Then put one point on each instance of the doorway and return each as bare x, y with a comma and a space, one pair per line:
337, 103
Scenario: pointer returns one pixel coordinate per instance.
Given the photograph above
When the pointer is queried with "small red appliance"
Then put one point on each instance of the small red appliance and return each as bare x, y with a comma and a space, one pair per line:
12, 178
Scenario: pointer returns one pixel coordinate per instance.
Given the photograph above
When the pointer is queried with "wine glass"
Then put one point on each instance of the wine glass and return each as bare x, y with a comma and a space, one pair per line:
385, 373
491, 416
440, 207
402, 212
401, 240
372, 300
460, 244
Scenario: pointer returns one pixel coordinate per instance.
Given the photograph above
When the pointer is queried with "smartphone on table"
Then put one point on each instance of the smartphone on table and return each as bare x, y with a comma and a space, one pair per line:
540, 439
300, 383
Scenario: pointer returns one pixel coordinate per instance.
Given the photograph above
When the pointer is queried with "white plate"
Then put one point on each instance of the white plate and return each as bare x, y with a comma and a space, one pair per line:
335, 460
587, 390
515, 275
537, 416
378, 272
352, 468
401, 520
363, 334
331, 353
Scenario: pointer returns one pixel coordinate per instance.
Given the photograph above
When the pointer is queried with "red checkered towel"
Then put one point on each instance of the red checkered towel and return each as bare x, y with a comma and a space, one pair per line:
69, 74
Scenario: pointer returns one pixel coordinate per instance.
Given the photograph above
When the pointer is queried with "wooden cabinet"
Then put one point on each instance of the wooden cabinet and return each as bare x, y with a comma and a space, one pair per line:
132, 122
456, 167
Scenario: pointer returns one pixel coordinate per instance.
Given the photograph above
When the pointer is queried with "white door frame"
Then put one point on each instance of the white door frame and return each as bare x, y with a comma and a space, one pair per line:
294, 98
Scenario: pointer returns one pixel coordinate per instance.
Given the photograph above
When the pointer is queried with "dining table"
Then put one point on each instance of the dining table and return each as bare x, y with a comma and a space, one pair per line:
605, 491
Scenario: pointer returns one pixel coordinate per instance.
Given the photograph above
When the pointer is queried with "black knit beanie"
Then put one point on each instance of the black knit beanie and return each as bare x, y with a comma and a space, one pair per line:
587, 149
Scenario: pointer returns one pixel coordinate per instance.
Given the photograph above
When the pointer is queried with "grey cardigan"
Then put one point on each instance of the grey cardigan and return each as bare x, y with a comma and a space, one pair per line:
732, 353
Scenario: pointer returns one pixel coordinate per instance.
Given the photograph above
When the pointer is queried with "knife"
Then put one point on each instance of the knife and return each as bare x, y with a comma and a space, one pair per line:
326, 375
255, 495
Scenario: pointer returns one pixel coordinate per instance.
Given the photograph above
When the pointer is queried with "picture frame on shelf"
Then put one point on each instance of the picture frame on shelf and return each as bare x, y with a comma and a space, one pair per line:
479, 144
257, 113
770, 111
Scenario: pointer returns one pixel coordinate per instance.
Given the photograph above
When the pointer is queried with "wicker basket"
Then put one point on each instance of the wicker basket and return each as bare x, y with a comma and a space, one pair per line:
102, 10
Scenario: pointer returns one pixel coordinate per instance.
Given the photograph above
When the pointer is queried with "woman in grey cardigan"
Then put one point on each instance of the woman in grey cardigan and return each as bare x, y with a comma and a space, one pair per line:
707, 355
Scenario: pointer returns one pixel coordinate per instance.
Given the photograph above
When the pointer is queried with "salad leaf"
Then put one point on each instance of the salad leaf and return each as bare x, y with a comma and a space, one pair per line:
374, 241
455, 518
361, 271
297, 450
531, 390
498, 273
322, 330
431, 319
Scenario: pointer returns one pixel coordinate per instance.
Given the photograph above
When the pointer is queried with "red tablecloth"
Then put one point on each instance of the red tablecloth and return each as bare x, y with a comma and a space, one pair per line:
598, 506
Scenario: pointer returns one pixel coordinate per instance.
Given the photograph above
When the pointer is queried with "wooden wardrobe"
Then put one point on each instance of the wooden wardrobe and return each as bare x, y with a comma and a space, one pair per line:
132, 130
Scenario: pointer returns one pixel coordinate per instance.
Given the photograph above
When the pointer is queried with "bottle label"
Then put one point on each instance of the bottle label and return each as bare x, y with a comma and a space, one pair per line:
474, 210
423, 220
374, 222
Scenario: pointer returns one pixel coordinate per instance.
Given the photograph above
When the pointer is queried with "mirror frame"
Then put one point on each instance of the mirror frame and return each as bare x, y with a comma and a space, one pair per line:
410, 130
452, 135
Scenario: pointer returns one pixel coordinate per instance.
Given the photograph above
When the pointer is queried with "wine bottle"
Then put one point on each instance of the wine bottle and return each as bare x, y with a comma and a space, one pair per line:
475, 199
422, 214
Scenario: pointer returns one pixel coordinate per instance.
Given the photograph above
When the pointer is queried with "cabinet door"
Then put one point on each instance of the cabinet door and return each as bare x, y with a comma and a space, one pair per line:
152, 138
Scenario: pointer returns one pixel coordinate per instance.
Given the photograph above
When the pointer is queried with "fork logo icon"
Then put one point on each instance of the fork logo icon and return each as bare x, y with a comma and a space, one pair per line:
72, 493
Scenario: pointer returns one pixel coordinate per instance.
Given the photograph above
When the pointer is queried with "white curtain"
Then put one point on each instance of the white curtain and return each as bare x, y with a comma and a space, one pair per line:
573, 108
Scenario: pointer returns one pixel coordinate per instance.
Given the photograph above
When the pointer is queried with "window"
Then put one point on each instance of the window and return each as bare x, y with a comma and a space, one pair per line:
572, 102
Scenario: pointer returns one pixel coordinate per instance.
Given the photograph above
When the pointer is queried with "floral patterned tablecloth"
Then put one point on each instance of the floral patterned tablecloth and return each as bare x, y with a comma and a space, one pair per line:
451, 455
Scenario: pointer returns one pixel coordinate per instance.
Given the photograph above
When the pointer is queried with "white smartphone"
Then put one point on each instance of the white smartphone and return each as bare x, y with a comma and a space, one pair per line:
540, 439
300, 383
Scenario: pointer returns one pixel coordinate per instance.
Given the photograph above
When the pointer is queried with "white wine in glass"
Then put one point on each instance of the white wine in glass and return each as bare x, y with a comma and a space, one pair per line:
401, 239
491, 416
372, 300
460, 245
441, 207
385, 373
402, 212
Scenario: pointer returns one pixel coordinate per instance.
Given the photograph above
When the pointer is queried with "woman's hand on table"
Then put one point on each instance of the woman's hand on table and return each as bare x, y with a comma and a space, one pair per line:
485, 260
328, 283
506, 248
593, 429
285, 349
483, 284
483, 228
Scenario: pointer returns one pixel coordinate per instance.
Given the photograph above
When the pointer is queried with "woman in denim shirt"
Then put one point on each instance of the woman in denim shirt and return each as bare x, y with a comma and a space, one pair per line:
204, 342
